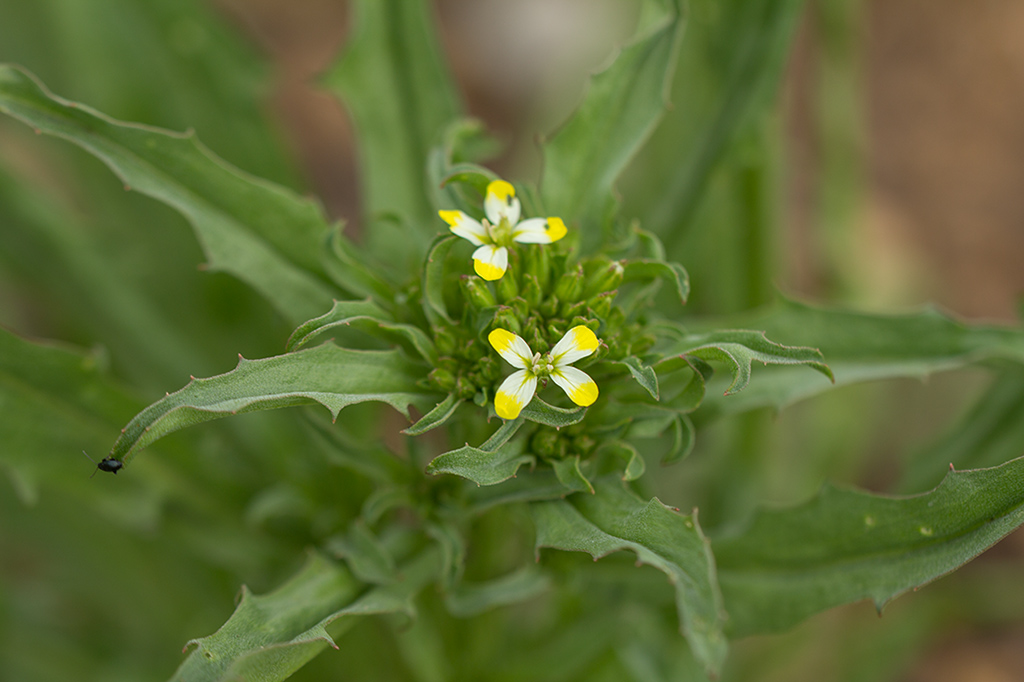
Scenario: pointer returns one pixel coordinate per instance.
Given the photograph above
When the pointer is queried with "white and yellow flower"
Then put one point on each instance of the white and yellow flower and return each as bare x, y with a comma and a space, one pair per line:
500, 228
517, 390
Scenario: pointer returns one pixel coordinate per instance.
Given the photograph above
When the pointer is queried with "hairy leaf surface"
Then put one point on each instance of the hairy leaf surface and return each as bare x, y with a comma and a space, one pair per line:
847, 545
614, 519
261, 233
331, 376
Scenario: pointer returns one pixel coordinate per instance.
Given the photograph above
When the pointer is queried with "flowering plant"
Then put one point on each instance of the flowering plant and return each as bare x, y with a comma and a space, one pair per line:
435, 534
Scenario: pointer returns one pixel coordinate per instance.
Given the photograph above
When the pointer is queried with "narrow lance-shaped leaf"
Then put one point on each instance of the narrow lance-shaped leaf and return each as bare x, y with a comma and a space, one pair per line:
394, 81
331, 376
263, 234
740, 348
269, 637
621, 108
614, 519
847, 545
864, 347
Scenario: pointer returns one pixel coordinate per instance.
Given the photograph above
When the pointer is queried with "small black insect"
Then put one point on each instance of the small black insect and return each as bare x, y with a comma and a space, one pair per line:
106, 464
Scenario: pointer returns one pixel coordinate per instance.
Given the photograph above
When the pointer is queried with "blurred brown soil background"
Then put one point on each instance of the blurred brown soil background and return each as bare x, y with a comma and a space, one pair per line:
939, 156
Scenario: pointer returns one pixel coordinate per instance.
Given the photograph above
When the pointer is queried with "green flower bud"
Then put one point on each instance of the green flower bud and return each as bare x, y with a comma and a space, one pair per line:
545, 443
476, 292
508, 288
570, 285
549, 308
531, 291
605, 279
444, 340
442, 378
572, 310
506, 318
520, 307
537, 262
556, 330
601, 304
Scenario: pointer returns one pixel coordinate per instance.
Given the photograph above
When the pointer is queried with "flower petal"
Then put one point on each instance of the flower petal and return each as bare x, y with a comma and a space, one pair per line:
577, 384
539, 231
490, 261
464, 226
501, 202
514, 393
511, 347
578, 342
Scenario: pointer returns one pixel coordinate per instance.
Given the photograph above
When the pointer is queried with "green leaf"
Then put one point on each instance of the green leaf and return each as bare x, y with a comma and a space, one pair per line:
614, 519
644, 375
730, 65
541, 412
331, 376
739, 348
568, 472
263, 234
633, 463
54, 402
437, 416
342, 313
847, 545
366, 556
989, 434
621, 108
649, 270
473, 599
495, 461
352, 270
393, 80
433, 280
864, 347
271, 636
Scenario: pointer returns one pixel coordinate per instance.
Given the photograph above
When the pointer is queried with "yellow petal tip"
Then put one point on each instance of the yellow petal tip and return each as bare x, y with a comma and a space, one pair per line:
501, 189
507, 406
487, 271
585, 394
450, 217
501, 339
584, 338
556, 229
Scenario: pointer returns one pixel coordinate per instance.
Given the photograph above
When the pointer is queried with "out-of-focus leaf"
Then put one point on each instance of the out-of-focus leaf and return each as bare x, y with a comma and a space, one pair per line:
648, 270
521, 585
263, 234
740, 348
614, 519
864, 347
271, 636
394, 81
55, 402
845, 545
989, 434
366, 556
433, 280
729, 69
331, 376
633, 464
621, 108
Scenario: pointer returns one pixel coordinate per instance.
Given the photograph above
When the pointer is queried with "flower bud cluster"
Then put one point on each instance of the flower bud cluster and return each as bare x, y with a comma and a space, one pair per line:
540, 298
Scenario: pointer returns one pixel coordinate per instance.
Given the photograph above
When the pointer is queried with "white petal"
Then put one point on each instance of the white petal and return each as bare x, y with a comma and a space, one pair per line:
501, 202
464, 226
490, 261
577, 384
539, 231
514, 393
578, 342
511, 347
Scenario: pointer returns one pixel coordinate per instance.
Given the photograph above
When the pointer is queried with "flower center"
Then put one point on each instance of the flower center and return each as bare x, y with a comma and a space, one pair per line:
540, 366
500, 234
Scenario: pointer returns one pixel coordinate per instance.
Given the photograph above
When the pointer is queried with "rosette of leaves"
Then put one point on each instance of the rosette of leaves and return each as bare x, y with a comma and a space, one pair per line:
434, 529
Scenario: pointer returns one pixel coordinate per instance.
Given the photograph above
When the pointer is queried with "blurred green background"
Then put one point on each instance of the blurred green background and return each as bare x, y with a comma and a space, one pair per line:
861, 153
